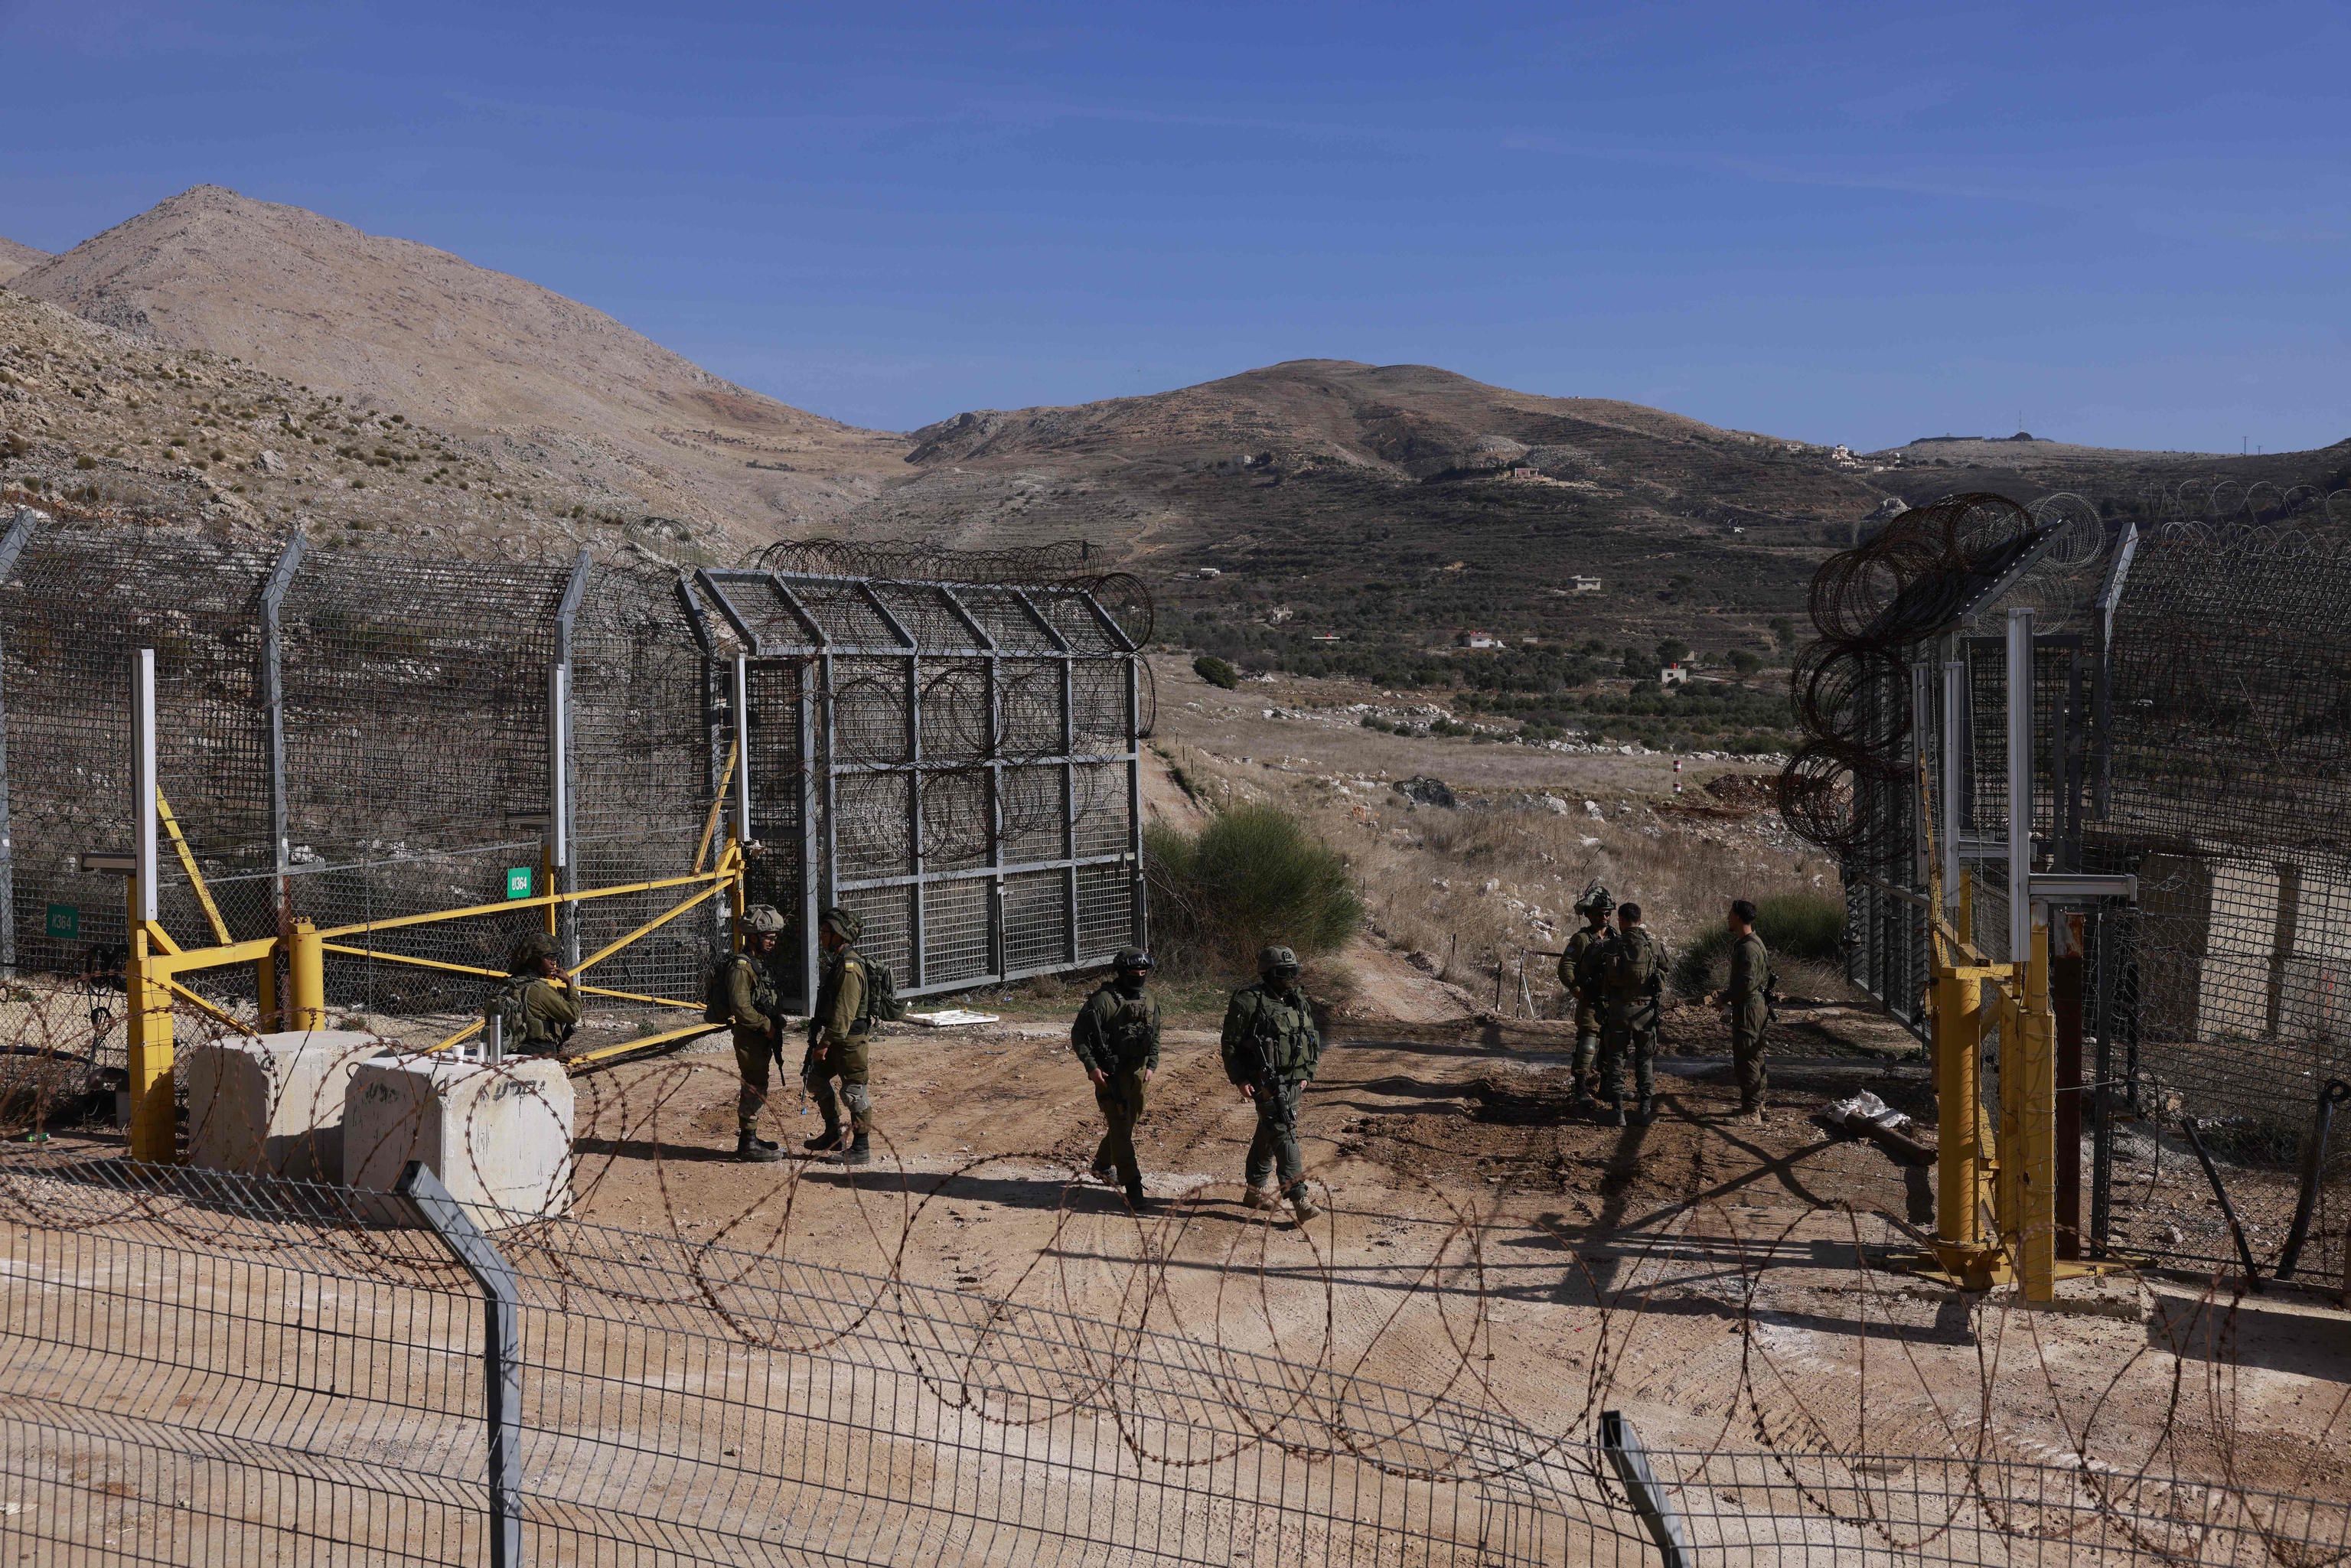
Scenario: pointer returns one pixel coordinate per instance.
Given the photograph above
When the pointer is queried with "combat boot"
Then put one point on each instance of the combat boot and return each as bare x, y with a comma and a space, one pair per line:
1303, 1207
1615, 1117
825, 1143
1645, 1111
1254, 1196
857, 1154
1579, 1102
751, 1147
1135, 1198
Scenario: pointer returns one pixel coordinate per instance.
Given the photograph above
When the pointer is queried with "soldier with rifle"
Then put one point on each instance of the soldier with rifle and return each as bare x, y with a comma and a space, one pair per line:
1631, 972
748, 994
1753, 996
1579, 974
1270, 1049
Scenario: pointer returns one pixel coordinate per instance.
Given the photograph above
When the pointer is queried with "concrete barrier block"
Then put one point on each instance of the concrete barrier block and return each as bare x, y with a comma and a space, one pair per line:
497, 1135
272, 1104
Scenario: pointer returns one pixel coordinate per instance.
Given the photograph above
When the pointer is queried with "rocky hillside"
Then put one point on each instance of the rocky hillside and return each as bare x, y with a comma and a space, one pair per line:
552, 390
96, 422
14, 259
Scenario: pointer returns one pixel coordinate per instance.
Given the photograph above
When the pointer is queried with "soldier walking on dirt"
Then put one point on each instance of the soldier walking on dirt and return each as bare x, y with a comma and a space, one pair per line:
1116, 1039
839, 1026
535, 1015
1632, 986
1749, 995
756, 1014
1578, 974
1270, 1048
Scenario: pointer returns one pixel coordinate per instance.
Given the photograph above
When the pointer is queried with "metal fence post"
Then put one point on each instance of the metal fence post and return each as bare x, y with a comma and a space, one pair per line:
11, 546
563, 785
501, 1348
1649, 1500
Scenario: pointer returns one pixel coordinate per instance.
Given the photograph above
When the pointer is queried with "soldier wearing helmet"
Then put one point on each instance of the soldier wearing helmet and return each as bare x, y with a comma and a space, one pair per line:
536, 1015
838, 1027
756, 1013
1272, 1048
1116, 1039
1579, 975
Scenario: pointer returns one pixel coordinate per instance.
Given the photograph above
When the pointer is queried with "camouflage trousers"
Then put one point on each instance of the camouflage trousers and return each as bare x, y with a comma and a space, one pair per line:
848, 1063
753, 1049
1587, 1053
1120, 1100
1747, 1059
1617, 1043
1276, 1144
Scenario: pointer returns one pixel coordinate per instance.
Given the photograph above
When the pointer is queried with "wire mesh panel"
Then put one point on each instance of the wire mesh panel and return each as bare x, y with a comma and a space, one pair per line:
955, 931
77, 606
232, 1371
1035, 921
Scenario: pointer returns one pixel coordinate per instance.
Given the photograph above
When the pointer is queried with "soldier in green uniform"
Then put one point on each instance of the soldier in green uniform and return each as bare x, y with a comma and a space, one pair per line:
838, 1028
1578, 974
756, 1017
535, 1014
1749, 995
1631, 979
1116, 1039
1272, 1048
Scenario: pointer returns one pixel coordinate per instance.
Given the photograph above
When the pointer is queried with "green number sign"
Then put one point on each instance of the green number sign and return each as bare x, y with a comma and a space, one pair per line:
65, 922
518, 881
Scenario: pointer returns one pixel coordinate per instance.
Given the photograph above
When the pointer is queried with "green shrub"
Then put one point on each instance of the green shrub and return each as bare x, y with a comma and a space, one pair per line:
1799, 926
1215, 672
1254, 876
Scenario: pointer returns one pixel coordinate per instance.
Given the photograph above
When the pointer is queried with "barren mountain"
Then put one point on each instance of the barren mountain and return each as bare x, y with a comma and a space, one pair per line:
591, 409
1308, 485
14, 259
95, 422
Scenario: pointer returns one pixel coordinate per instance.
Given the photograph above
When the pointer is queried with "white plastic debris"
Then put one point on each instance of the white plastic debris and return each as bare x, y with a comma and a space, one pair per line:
950, 1017
1870, 1108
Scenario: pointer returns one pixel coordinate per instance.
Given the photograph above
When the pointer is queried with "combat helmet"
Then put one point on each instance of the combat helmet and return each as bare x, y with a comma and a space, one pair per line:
842, 923
1276, 960
1131, 960
528, 952
762, 920
1595, 897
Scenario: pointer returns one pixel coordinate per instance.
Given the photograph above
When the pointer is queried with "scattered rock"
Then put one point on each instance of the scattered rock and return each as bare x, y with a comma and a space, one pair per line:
1592, 808
268, 462
1425, 791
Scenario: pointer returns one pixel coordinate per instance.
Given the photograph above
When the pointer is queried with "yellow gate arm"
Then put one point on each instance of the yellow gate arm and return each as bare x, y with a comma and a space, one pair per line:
188, 864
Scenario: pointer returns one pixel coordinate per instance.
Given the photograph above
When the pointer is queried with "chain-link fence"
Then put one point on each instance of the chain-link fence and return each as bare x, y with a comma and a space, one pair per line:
2190, 717
349, 737
217, 1369
220, 1369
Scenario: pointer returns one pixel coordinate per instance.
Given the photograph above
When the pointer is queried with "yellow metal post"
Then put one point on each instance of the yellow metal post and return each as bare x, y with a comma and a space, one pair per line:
265, 991
306, 970
1960, 1158
148, 1021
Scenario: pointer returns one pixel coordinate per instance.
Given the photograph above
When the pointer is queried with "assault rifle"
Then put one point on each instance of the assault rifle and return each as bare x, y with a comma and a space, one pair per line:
1266, 1079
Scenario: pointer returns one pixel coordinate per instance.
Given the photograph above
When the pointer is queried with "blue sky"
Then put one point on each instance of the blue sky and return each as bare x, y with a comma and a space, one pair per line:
1839, 224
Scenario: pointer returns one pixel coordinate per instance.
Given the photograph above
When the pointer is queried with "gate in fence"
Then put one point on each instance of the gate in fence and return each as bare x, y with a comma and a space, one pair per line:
351, 738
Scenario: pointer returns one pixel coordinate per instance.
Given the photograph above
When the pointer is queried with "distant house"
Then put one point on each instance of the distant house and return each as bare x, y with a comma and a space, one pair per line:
1210, 573
1479, 639
1673, 675
1276, 617
1585, 584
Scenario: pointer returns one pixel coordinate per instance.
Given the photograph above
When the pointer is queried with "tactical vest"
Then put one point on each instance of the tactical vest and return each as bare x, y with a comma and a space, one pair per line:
1126, 1032
829, 988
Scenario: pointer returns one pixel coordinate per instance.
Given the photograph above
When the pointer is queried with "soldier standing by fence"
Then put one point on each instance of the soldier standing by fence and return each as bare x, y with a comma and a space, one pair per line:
1632, 983
1577, 967
839, 1026
748, 1000
1117, 1037
1272, 1048
1749, 998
